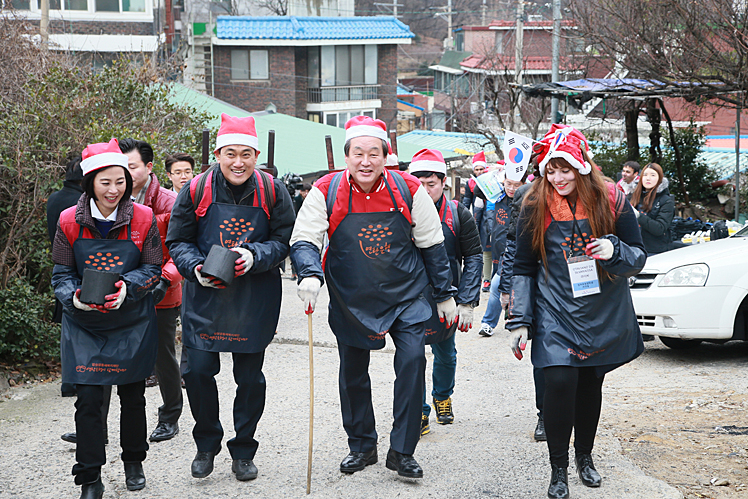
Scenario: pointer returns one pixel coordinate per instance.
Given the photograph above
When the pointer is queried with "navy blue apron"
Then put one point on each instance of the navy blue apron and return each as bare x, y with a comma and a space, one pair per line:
374, 273
593, 330
436, 331
116, 348
241, 318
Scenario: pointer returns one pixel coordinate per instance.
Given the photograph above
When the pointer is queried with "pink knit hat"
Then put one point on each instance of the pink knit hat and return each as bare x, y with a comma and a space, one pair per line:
237, 131
101, 155
563, 141
428, 160
363, 126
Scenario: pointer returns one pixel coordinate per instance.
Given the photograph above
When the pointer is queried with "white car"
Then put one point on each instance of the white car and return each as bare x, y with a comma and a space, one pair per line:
694, 294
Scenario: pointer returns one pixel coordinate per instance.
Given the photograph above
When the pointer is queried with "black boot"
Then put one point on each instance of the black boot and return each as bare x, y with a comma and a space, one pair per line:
559, 487
587, 472
134, 476
92, 490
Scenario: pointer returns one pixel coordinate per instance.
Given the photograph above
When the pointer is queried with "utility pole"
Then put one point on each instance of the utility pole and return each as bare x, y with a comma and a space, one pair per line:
44, 23
737, 163
449, 24
483, 14
518, 41
556, 55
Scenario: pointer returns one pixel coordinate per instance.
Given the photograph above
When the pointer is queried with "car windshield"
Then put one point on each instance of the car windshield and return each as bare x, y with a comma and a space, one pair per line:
742, 232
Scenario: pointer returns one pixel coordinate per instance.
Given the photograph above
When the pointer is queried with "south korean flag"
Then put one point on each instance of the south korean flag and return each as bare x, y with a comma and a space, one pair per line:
517, 151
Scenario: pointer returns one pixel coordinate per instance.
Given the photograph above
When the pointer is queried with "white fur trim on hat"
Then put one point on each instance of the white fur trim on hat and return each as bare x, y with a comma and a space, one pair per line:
365, 131
427, 166
480, 163
584, 169
98, 161
241, 139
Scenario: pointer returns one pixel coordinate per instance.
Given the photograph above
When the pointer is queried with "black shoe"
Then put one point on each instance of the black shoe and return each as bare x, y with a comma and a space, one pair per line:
356, 461
92, 490
425, 425
587, 472
539, 434
164, 431
559, 487
245, 469
134, 476
444, 414
151, 380
404, 464
202, 465
72, 437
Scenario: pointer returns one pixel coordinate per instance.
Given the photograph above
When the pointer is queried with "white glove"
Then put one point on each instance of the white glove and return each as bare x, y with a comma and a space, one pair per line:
208, 282
447, 311
464, 317
115, 300
600, 249
246, 262
308, 290
504, 300
518, 341
79, 304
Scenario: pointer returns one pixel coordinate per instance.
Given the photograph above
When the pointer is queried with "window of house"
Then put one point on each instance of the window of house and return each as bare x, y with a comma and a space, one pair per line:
76, 4
133, 5
105, 6
331, 119
342, 65
258, 65
17, 4
249, 65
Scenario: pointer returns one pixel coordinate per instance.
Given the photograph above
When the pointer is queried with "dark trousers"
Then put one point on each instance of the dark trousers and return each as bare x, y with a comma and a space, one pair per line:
573, 399
89, 452
539, 382
355, 391
249, 402
167, 367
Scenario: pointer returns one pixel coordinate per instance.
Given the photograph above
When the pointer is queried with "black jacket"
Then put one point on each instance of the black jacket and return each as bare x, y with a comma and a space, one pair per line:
655, 225
182, 236
60, 201
507, 262
468, 291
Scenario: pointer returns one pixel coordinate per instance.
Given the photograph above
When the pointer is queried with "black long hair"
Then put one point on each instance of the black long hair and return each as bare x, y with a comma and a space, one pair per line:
88, 182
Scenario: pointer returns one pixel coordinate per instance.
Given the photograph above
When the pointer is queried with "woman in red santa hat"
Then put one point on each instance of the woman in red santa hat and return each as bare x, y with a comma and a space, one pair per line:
114, 343
577, 242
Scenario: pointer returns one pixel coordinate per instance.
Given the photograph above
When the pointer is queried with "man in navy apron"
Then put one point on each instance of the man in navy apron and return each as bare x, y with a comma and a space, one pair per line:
377, 221
462, 242
241, 208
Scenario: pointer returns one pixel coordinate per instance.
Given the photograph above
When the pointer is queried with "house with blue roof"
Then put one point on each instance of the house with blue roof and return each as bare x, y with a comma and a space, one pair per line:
324, 69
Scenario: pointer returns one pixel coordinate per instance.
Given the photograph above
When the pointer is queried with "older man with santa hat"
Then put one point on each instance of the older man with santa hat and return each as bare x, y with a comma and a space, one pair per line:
386, 247
239, 207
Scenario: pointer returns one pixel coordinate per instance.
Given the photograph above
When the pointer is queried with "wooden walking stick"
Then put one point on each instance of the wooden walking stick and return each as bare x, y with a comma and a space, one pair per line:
328, 147
206, 151
311, 408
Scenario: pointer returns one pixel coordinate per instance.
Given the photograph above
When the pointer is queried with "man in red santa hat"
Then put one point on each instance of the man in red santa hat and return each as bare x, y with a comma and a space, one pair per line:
386, 246
236, 206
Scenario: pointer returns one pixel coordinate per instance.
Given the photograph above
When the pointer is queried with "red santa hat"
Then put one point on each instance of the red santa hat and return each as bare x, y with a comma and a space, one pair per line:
428, 160
237, 131
566, 142
98, 156
363, 126
391, 157
480, 160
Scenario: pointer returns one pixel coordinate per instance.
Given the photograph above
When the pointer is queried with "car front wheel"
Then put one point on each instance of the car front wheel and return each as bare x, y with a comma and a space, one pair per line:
679, 344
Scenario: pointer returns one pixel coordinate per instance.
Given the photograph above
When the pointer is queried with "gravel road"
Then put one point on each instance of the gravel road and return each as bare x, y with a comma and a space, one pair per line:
487, 452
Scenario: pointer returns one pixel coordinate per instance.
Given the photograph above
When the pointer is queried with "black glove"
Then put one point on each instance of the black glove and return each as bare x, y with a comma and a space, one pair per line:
160, 290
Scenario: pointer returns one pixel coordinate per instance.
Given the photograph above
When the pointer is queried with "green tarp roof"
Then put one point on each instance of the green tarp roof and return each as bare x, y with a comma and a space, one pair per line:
299, 144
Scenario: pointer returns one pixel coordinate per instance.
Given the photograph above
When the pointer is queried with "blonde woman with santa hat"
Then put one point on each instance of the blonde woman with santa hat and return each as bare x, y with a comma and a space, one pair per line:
114, 343
577, 242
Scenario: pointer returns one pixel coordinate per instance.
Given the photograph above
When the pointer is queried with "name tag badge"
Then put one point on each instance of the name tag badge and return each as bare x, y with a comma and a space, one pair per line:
583, 274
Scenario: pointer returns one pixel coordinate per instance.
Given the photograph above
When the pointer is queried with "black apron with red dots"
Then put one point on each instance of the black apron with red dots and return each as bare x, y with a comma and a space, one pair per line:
114, 348
374, 273
436, 331
241, 318
592, 330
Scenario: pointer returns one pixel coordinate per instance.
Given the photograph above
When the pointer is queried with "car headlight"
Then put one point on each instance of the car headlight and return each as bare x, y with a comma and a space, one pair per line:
688, 275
